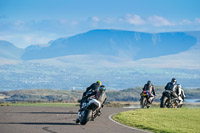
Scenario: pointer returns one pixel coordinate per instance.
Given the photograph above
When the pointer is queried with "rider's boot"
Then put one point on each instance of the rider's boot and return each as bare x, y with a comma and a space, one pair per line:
180, 99
92, 119
99, 113
77, 120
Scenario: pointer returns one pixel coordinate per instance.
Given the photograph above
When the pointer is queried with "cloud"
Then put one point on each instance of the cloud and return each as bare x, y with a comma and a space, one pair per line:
156, 21
159, 21
190, 22
134, 19
92, 21
185, 21
24, 40
95, 19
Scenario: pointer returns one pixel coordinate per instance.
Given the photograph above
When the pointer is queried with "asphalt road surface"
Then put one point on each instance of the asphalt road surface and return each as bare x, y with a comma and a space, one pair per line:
56, 120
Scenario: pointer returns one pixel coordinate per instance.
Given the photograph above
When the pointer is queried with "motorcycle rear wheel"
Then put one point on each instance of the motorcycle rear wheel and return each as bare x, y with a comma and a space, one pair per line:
143, 102
164, 102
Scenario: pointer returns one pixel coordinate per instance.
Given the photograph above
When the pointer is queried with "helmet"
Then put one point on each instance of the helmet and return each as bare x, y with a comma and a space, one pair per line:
173, 80
149, 82
99, 82
102, 88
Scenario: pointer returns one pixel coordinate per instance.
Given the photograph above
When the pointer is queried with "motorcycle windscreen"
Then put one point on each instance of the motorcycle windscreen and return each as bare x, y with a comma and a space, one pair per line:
94, 104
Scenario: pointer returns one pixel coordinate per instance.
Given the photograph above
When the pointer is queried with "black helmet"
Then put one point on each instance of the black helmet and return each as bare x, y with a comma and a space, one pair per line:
149, 82
173, 80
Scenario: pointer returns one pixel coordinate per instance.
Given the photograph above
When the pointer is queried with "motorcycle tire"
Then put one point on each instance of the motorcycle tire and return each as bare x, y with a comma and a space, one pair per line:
86, 117
143, 102
163, 102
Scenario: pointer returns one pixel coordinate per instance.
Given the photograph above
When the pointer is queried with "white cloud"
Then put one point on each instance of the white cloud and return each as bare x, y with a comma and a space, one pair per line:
93, 21
134, 19
185, 21
159, 21
24, 40
96, 19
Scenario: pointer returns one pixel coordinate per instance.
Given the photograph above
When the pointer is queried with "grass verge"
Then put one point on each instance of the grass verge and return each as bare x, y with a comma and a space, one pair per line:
183, 120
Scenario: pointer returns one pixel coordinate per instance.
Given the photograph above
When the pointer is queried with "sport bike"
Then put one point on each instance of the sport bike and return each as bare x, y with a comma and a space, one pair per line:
144, 101
169, 101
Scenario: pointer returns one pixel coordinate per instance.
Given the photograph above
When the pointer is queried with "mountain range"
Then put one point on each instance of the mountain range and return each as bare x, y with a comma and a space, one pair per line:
117, 43
130, 44
9, 51
118, 58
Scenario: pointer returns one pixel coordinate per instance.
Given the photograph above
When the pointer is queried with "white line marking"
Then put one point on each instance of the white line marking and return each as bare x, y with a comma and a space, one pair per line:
110, 117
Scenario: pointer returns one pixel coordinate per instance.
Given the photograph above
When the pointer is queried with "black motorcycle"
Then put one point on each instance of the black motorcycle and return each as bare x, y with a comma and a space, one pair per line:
169, 101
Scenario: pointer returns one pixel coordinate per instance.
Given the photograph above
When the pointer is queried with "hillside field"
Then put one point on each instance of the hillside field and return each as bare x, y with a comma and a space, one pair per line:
50, 95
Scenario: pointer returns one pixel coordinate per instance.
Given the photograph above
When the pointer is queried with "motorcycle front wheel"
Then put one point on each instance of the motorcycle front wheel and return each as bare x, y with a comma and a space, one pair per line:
86, 117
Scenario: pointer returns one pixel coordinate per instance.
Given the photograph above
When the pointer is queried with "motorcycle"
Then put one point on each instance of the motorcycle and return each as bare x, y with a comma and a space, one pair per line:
90, 109
144, 101
168, 101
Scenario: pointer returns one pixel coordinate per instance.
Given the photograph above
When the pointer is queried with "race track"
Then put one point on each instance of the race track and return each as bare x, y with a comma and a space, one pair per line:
56, 120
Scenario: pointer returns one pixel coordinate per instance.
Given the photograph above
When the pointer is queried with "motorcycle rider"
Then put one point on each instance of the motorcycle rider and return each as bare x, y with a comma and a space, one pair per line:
101, 97
180, 93
150, 87
183, 94
92, 90
172, 87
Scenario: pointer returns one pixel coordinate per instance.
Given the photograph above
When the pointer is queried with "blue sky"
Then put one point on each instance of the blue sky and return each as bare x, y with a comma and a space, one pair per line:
27, 22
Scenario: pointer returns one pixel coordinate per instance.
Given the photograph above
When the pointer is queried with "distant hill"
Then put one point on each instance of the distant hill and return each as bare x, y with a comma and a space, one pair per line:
41, 95
118, 43
131, 94
9, 51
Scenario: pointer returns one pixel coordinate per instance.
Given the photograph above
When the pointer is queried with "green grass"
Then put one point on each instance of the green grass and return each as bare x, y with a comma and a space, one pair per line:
41, 104
183, 120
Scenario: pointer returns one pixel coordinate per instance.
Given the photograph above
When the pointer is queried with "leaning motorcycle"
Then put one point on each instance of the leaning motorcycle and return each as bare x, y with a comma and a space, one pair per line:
144, 101
90, 109
168, 101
